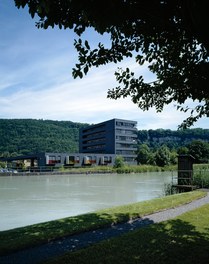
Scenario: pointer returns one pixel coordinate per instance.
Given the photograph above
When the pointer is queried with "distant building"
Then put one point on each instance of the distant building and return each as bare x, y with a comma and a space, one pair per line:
115, 136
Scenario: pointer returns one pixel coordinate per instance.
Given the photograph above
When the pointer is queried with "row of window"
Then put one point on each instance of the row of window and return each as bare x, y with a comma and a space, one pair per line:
123, 145
125, 124
53, 159
125, 131
92, 129
70, 160
125, 152
100, 146
93, 141
125, 138
97, 134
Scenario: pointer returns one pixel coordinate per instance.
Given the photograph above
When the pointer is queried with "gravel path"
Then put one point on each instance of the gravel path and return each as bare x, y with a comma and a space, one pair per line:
75, 242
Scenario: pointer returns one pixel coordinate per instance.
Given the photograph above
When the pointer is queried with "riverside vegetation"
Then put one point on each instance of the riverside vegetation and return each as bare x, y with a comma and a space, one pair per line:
200, 175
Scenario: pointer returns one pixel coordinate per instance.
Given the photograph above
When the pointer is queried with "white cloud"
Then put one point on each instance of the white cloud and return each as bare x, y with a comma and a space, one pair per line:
84, 101
36, 80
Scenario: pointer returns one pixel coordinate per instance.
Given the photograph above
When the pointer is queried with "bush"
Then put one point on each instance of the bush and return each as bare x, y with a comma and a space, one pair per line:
119, 162
201, 178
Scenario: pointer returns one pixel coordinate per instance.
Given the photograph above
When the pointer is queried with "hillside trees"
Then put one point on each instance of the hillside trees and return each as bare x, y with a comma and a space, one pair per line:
173, 139
24, 136
170, 38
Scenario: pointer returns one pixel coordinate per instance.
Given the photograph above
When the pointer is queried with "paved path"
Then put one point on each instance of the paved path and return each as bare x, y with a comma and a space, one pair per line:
75, 242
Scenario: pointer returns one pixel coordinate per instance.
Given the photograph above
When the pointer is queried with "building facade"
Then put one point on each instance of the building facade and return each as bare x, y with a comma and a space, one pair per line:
115, 136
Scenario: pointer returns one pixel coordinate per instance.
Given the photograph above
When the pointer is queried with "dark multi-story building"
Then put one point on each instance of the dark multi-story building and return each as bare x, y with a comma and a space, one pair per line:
115, 136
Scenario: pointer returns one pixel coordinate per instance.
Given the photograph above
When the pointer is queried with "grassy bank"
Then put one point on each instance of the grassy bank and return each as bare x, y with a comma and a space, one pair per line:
201, 175
124, 169
28, 236
131, 169
183, 240
109, 169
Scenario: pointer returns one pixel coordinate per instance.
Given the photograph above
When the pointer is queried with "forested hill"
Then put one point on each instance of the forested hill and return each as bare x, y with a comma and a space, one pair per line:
173, 139
23, 136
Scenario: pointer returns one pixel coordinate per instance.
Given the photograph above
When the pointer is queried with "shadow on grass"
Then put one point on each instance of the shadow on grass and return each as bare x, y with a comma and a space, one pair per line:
34, 235
175, 241
172, 242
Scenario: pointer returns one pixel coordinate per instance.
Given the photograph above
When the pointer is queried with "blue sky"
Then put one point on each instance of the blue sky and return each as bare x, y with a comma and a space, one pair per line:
36, 78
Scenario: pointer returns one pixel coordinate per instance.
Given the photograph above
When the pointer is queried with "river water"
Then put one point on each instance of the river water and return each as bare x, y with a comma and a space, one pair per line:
25, 200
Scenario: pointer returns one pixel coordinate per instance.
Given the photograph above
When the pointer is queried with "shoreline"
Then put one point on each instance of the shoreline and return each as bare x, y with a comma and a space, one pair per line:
84, 239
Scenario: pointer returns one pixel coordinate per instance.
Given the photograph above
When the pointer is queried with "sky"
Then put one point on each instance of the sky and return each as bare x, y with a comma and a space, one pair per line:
36, 78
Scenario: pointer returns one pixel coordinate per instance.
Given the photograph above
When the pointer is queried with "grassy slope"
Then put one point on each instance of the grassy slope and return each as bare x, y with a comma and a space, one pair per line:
20, 238
183, 240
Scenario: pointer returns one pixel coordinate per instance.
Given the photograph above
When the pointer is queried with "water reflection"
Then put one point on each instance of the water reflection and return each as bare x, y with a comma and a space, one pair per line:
26, 200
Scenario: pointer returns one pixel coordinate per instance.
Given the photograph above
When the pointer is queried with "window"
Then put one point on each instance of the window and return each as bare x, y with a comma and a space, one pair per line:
53, 160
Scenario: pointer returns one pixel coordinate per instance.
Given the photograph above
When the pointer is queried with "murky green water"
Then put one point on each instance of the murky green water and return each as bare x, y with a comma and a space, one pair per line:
26, 200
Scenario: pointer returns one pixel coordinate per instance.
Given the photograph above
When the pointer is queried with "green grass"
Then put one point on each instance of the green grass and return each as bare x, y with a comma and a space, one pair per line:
28, 236
183, 240
124, 169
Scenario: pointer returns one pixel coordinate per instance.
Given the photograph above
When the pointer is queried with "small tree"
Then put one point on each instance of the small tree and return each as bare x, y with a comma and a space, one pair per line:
143, 154
119, 162
173, 157
2, 164
163, 156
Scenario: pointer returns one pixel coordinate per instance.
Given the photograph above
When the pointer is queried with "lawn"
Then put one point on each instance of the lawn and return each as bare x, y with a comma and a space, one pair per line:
183, 240
33, 235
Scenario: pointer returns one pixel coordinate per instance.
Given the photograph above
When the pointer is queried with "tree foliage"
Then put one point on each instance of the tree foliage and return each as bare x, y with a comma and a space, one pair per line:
161, 146
143, 154
173, 139
199, 150
169, 37
24, 136
163, 156
119, 162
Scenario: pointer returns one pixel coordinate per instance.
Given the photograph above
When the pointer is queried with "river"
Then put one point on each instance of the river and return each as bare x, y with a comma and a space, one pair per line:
26, 200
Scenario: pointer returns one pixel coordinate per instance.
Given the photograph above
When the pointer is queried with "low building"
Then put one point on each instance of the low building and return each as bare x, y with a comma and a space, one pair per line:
50, 159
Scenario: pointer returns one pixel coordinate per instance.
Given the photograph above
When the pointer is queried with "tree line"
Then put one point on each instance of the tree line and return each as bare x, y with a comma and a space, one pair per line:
156, 147
25, 136
162, 146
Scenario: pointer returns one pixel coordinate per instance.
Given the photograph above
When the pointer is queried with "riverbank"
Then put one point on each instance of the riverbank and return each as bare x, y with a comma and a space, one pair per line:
90, 170
180, 240
99, 170
34, 235
178, 204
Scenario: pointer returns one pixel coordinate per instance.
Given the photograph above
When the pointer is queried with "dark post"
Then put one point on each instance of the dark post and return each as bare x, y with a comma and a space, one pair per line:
185, 169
